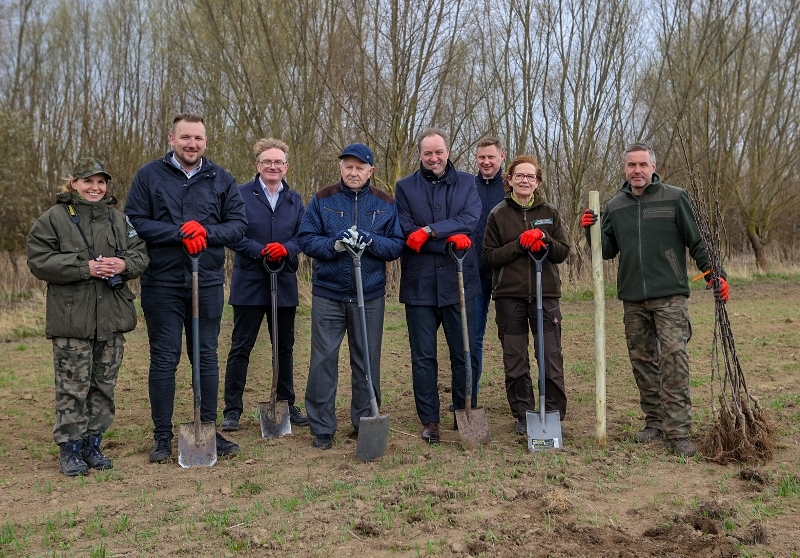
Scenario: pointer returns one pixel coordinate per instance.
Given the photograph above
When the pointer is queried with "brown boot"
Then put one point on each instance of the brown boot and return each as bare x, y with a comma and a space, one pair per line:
430, 432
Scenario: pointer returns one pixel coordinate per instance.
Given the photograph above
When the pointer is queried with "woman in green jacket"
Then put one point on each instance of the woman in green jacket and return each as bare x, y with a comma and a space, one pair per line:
523, 223
86, 250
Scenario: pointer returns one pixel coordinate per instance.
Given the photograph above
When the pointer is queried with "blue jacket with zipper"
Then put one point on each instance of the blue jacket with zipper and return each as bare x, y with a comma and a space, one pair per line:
334, 209
161, 199
250, 285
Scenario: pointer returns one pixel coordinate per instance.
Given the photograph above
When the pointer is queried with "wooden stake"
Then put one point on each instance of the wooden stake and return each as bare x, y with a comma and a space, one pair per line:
599, 324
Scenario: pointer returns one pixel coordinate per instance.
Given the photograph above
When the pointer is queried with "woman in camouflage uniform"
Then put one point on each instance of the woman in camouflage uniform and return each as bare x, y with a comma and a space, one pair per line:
86, 250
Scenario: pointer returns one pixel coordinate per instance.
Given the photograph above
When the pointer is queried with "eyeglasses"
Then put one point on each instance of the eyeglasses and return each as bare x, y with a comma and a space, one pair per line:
518, 176
270, 163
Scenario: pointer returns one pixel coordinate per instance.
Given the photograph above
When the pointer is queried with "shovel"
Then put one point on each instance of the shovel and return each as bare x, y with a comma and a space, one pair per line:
544, 429
275, 414
473, 428
197, 441
373, 431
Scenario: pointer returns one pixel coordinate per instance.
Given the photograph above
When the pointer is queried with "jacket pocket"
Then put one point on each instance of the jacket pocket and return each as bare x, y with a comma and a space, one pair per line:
124, 310
71, 310
376, 220
676, 268
666, 212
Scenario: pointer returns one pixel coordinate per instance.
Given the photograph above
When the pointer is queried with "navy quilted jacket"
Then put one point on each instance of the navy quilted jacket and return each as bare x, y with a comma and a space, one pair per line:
334, 209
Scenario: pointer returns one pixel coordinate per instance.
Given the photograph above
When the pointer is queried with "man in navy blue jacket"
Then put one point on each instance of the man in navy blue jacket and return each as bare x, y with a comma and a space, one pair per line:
437, 205
352, 211
490, 156
274, 212
184, 203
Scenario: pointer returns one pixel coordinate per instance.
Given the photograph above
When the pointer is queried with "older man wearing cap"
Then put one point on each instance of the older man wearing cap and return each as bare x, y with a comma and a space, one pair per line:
354, 212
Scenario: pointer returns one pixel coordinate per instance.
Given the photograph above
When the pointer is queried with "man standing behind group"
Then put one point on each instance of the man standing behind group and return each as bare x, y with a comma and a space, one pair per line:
437, 206
274, 212
490, 156
184, 203
651, 225
350, 212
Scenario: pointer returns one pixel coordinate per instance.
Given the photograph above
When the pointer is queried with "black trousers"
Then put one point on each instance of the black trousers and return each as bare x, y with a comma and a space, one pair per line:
247, 321
515, 316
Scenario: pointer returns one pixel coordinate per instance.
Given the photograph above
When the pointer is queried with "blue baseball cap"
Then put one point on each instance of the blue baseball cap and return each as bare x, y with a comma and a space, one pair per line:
359, 151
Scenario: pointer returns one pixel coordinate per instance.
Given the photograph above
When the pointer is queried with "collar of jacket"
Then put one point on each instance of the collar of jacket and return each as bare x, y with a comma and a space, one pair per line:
537, 201
257, 184
449, 175
349, 191
654, 185
496, 179
206, 166
73, 197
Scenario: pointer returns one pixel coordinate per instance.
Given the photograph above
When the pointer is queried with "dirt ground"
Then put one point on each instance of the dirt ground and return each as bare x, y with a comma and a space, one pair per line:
284, 498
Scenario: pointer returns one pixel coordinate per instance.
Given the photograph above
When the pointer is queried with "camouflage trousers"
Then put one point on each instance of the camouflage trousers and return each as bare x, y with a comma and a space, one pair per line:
657, 332
85, 375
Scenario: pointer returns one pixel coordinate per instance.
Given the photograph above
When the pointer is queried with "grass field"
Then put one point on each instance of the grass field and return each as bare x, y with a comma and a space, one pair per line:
284, 498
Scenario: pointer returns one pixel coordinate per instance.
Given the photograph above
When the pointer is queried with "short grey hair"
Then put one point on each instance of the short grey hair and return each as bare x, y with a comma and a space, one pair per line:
639, 146
428, 132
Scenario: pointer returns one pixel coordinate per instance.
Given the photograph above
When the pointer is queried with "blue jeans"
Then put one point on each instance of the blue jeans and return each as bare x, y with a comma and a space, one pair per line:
423, 324
168, 312
246, 324
330, 319
481, 318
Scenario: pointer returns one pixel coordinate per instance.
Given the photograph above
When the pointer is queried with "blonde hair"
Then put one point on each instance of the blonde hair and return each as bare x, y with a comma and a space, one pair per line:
270, 143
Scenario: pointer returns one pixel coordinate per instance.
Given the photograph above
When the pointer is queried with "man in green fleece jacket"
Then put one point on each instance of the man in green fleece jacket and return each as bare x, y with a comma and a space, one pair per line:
651, 225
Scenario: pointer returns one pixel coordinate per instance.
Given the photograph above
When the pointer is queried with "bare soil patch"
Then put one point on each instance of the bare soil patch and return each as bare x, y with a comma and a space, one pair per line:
284, 498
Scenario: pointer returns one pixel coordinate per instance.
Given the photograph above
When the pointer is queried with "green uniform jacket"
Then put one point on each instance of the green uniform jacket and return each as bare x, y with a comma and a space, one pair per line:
513, 270
651, 233
79, 305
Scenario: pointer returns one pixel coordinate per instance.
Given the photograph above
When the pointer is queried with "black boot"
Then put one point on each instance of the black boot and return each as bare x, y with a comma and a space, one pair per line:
71, 459
92, 455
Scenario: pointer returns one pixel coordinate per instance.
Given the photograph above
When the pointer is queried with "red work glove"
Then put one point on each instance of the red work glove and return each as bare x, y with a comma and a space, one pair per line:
274, 251
529, 237
194, 245
588, 219
721, 292
460, 241
192, 229
416, 239
538, 246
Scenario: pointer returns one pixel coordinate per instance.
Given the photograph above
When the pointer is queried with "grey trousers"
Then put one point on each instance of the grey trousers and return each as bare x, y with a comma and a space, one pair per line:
330, 319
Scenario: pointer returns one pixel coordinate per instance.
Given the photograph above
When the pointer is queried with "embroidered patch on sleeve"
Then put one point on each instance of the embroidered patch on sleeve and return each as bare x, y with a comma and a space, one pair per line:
131, 231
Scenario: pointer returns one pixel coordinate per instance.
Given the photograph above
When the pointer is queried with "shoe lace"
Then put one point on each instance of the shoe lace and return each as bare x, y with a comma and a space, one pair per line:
92, 452
74, 456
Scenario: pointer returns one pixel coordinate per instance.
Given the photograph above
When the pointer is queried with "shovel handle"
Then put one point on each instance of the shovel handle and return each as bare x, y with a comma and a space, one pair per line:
464, 327
356, 255
273, 270
451, 249
195, 263
540, 326
273, 291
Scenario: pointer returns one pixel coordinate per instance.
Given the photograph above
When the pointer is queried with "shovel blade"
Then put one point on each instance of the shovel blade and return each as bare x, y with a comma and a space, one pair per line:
197, 451
544, 436
274, 421
372, 435
473, 428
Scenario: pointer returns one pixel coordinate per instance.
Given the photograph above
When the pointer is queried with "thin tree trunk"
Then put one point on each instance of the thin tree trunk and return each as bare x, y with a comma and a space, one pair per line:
758, 247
